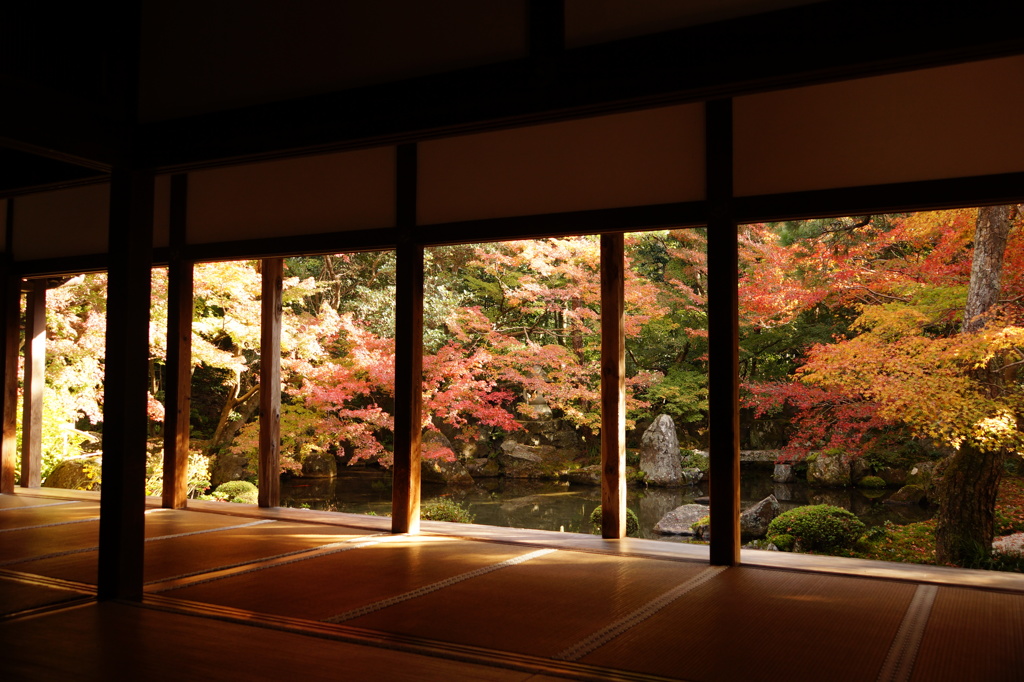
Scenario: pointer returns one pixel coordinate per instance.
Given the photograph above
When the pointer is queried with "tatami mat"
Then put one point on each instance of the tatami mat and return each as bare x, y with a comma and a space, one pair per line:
110, 641
757, 624
324, 586
539, 607
972, 635
361, 600
21, 595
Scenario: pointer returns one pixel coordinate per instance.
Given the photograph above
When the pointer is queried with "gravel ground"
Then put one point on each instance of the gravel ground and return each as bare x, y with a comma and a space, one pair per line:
1009, 544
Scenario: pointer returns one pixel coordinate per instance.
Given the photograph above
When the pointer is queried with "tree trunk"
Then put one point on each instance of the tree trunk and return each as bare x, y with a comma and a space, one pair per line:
990, 234
967, 484
968, 480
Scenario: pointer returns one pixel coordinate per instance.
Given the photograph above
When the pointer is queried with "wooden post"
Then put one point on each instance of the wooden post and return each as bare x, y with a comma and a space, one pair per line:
405, 490
723, 339
270, 384
10, 318
125, 385
35, 380
178, 394
613, 388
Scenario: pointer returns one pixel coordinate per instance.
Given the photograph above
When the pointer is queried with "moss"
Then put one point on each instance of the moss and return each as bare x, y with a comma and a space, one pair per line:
242, 492
445, 509
871, 482
632, 521
818, 527
784, 542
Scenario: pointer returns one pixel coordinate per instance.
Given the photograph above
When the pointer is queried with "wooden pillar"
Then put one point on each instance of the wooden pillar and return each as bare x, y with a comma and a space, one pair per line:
178, 394
35, 380
723, 339
10, 318
405, 491
613, 388
125, 384
270, 384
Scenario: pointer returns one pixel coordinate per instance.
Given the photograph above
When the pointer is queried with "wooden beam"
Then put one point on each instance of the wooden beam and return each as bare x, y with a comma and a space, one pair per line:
765, 51
33, 384
270, 384
405, 490
125, 385
178, 393
613, 387
723, 339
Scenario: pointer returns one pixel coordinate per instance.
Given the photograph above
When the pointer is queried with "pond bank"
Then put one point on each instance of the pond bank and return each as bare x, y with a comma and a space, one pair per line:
554, 505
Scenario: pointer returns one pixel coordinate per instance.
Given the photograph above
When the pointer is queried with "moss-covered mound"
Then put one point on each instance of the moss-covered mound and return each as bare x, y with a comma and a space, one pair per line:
819, 527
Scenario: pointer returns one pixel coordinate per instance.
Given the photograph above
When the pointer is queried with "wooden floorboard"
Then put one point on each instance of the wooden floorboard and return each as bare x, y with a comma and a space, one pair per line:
273, 596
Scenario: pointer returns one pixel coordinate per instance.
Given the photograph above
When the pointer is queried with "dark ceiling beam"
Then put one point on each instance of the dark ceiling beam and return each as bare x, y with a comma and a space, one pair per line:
59, 128
814, 43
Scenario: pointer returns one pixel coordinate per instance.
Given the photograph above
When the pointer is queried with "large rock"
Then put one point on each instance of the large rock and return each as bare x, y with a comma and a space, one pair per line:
483, 467
318, 464
679, 520
922, 475
829, 470
659, 453
529, 461
589, 475
754, 521
440, 469
77, 473
784, 473
908, 495
894, 477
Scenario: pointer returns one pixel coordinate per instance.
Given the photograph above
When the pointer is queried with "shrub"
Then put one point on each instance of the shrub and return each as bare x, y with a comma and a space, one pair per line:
445, 509
242, 492
818, 527
871, 482
632, 521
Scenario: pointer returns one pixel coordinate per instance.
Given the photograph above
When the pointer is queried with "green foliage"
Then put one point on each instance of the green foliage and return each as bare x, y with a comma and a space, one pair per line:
695, 459
197, 479
784, 541
819, 527
871, 482
632, 521
242, 492
445, 509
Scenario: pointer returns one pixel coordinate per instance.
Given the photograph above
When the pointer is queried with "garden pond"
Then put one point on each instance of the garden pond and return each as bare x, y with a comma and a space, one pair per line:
554, 505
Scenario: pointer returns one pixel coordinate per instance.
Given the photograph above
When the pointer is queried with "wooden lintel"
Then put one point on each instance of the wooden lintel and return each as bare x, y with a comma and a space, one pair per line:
613, 387
34, 382
270, 384
178, 394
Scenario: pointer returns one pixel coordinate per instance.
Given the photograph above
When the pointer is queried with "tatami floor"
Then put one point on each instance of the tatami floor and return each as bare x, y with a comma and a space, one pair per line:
238, 593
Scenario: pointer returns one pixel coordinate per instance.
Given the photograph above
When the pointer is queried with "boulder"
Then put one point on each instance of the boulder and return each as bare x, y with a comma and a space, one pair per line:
529, 461
318, 464
449, 472
679, 520
829, 470
590, 475
859, 469
754, 520
894, 477
784, 473
228, 466
692, 475
77, 473
922, 474
440, 469
908, 495
483, 467
659, 453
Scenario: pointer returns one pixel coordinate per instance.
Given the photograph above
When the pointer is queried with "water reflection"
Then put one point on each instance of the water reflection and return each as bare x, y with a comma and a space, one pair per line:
553, 505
